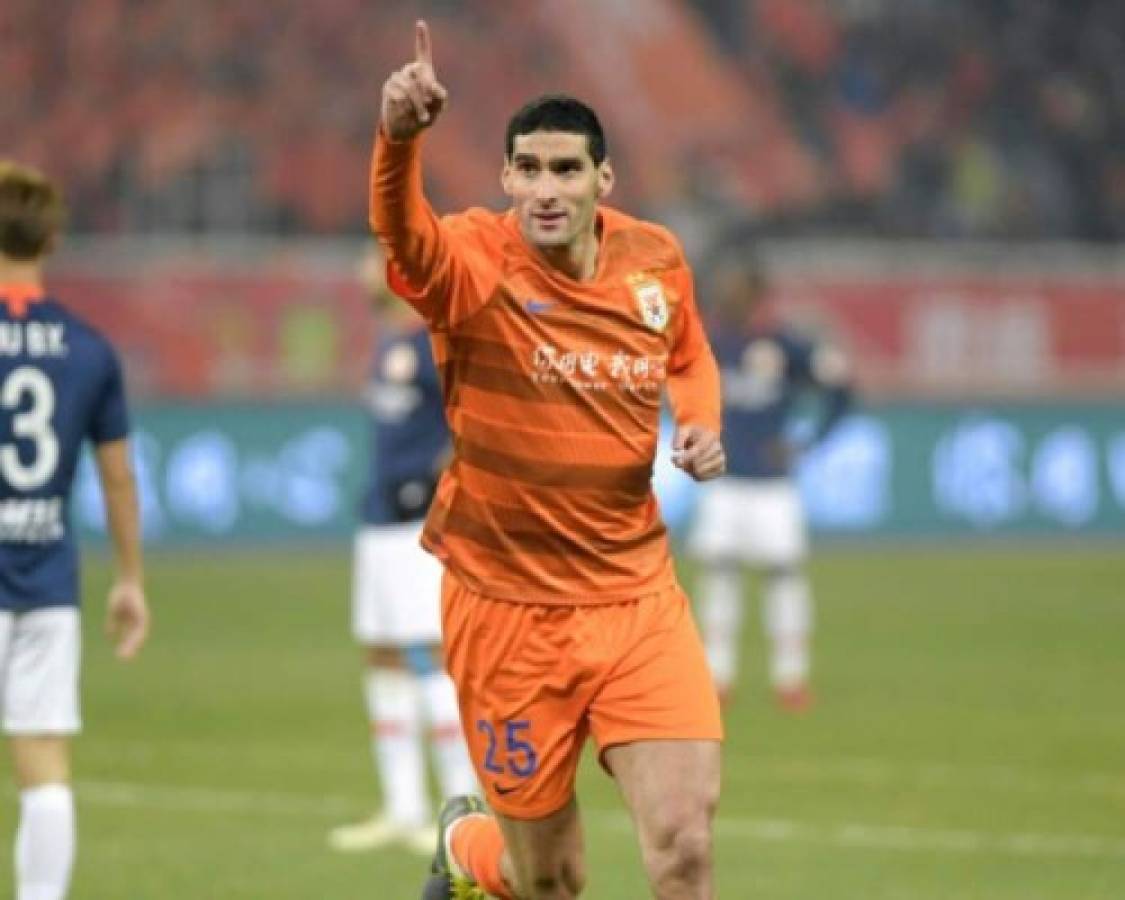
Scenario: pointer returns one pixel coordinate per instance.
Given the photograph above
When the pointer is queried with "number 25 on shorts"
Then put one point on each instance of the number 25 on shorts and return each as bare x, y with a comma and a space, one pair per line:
518, 756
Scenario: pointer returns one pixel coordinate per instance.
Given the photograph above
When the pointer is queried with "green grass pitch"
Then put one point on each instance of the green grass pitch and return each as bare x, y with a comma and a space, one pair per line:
968, 741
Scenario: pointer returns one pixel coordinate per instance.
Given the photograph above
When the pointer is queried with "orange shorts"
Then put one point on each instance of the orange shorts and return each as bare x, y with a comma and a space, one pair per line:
533, 681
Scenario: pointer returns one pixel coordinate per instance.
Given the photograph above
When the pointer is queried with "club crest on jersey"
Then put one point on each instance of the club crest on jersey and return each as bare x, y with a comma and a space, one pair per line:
651, 300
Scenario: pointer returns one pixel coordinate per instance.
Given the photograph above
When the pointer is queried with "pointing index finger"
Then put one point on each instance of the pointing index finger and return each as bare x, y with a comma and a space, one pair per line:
422, 48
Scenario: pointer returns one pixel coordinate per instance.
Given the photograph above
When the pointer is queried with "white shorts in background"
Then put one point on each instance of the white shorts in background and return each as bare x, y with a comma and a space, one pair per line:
757, 521
396, 587
40, 654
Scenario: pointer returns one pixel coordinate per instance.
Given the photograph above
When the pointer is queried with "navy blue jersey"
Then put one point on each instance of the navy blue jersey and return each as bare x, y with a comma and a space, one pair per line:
765, 374
60, 384
409, 435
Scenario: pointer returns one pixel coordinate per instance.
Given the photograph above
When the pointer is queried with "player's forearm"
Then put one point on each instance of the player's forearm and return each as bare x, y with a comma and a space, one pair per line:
400, 215
119, 489
695, 392
122, 511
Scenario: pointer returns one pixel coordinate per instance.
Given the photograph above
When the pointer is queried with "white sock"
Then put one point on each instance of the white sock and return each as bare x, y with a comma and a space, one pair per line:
396, 743
45, 842
451, 756
788, 619
721, 612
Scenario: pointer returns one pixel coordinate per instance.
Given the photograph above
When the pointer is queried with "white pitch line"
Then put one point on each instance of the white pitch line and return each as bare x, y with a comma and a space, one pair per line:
871, 771
924, 774
902, 837
853, 835
221, 800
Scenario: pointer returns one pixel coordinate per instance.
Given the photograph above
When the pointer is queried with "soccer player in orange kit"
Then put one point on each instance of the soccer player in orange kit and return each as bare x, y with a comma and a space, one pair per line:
556, 326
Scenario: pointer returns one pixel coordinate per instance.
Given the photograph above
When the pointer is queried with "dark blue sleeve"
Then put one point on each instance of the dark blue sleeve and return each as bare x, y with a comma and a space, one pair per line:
836, 395
110, 418
798, 360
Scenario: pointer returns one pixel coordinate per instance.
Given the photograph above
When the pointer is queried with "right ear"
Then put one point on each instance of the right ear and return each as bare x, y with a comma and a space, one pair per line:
606, 179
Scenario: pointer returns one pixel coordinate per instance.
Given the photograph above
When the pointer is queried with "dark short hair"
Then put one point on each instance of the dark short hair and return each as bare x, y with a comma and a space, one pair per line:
558, 112
31, 212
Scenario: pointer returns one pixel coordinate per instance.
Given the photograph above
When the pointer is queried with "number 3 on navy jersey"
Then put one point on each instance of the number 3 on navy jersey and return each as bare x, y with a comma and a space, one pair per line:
33, 424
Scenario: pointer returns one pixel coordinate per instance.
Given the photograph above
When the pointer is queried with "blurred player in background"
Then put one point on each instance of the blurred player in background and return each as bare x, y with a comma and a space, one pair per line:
396, 586
60, 384
753, 517
558, 325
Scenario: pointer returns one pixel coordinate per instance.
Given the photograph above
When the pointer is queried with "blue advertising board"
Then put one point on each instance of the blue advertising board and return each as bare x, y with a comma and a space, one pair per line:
295, 471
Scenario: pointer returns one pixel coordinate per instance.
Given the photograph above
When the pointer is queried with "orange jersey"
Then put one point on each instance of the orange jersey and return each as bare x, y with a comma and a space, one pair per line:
552, 390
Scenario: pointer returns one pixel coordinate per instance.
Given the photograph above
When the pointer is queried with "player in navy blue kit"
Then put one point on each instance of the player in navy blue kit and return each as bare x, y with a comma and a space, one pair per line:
753, 516
60, 385
396, 587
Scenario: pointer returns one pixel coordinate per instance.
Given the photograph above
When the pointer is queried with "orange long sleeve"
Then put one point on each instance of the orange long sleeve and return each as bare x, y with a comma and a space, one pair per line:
693, 375
445, 268
403, 220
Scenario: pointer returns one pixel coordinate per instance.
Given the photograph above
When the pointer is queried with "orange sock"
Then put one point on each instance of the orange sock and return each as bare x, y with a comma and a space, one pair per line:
477, 845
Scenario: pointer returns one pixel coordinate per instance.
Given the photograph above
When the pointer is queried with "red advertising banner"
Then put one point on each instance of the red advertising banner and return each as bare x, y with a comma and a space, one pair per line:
969, 329
279, 322
279, 319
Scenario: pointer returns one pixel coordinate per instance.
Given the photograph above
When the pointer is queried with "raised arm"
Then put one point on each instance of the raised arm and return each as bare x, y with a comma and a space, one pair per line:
425, 265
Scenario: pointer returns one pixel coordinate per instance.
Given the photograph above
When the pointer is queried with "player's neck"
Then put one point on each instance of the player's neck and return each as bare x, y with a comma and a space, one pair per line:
578, 260
22, 272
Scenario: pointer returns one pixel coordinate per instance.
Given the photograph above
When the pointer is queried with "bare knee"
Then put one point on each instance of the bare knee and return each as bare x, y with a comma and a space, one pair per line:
383, 657
682, 858
40, 759
677, 848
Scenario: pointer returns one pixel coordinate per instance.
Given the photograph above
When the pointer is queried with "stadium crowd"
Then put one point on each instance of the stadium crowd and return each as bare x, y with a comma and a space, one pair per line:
918, 118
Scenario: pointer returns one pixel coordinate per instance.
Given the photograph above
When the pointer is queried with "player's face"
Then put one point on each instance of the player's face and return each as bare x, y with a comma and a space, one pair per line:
555, 187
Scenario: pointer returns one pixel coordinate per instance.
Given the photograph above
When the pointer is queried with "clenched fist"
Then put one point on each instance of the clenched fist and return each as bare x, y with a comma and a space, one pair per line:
699, 452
